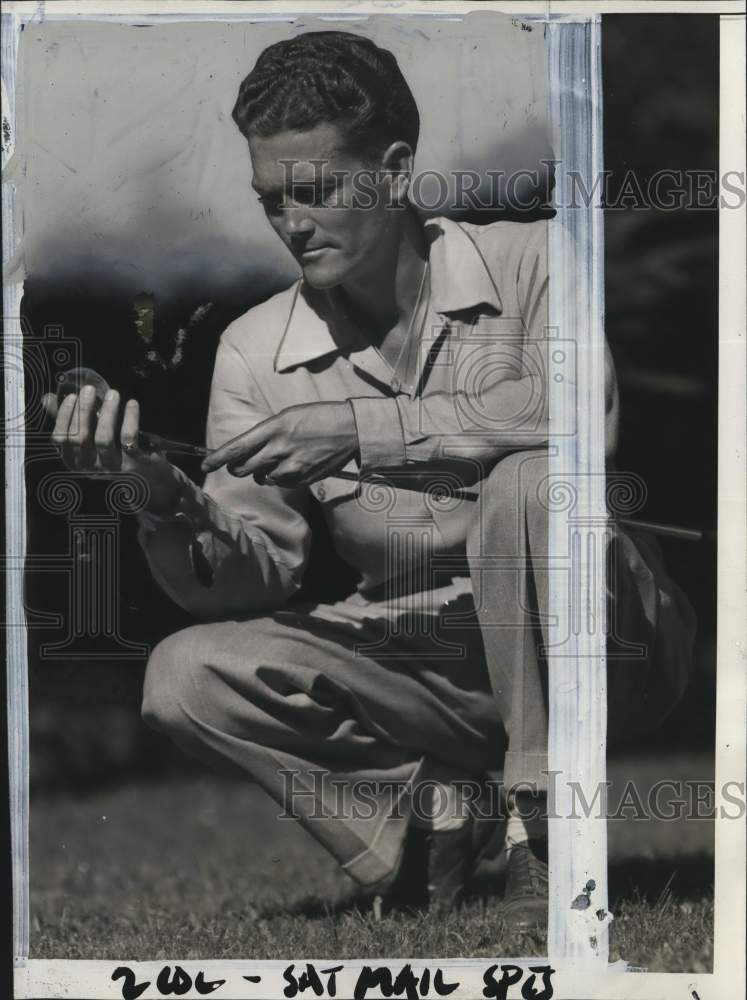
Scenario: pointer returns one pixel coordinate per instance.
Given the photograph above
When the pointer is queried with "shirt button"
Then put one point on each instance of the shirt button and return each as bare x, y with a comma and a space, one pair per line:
320, 491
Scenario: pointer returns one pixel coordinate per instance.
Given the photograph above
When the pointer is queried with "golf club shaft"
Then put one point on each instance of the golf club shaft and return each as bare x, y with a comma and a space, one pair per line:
159, 443
655, 527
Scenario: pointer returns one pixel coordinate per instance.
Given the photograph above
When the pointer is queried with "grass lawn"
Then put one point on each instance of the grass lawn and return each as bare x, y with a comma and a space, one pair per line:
200, 868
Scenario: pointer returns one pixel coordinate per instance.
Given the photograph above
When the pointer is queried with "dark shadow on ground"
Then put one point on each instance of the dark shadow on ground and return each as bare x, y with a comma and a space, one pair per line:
652, 880
633, 880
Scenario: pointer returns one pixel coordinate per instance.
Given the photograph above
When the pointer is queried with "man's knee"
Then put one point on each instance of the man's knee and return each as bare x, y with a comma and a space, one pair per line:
169, 686
199, 673
520, 474
514, 494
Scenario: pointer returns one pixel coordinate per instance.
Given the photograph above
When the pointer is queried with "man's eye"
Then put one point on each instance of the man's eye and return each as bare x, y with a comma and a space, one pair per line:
270, 202
328, 196
312, 196
302, 194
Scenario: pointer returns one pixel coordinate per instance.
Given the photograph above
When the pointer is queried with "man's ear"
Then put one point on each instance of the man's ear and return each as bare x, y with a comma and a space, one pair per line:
398, 162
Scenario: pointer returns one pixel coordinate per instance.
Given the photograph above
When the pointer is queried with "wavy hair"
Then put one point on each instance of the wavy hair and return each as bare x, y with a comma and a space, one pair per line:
330, 77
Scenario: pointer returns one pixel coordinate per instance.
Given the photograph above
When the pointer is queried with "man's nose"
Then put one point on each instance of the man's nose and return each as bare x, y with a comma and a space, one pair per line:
298, 225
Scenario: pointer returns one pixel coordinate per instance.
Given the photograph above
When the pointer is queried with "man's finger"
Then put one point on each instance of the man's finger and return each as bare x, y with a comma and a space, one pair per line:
105, 437
259, 465
130, 427
63, 418
286, 473
80, 423
61, 430
49, 402
79, 434
239, 449
265, 476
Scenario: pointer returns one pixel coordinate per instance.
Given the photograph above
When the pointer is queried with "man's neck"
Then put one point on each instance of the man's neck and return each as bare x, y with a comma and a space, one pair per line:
383, 301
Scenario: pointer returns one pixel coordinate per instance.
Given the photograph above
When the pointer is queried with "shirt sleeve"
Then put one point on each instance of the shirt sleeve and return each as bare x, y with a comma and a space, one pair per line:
381, 436
232, 547
498, 400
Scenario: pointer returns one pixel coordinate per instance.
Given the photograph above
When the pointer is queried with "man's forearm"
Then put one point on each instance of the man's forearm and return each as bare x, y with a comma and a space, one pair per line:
209, 562
509, 414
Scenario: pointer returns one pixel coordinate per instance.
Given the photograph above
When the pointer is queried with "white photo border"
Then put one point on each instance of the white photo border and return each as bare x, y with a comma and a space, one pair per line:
577, 975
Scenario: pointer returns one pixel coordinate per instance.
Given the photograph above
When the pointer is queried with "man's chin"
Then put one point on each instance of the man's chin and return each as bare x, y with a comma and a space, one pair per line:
319, 274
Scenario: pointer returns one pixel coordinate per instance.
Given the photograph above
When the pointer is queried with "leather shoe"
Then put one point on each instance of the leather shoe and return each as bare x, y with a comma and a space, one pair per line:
436, 866
525, 899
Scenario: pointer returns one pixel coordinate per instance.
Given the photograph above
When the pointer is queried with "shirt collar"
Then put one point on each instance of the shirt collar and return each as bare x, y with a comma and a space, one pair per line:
459, 278
307, 335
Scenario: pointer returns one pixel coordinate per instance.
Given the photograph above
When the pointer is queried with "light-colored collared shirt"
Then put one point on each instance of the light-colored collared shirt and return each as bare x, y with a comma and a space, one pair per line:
478, 389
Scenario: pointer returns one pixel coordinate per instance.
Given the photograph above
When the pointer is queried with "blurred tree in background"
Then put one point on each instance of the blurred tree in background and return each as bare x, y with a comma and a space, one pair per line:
660, 83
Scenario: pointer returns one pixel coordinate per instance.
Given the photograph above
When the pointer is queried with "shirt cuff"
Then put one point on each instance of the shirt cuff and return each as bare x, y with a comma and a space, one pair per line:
184, 521
381, 440
189, 507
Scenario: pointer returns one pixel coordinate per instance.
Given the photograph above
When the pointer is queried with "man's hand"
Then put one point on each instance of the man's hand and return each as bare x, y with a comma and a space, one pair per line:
105, 444
297, 447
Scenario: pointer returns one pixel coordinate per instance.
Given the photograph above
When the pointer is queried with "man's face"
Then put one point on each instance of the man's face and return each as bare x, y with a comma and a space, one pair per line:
325, 203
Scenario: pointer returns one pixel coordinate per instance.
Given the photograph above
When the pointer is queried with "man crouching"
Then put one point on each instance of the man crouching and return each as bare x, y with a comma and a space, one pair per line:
415, 350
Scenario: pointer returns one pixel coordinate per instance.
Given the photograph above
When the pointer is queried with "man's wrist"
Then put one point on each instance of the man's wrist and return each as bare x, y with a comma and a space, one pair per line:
165, 505
162, 506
